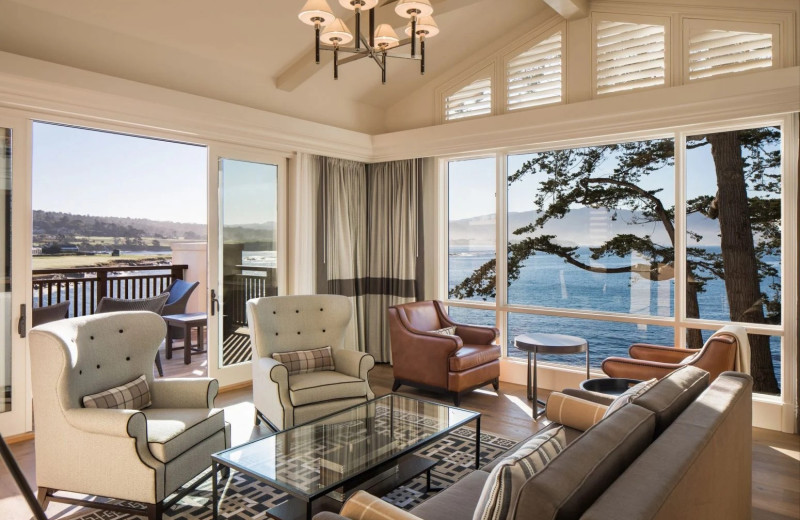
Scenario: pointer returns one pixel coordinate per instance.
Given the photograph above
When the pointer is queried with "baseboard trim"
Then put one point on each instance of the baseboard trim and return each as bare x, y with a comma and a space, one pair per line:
235, 386
21, 437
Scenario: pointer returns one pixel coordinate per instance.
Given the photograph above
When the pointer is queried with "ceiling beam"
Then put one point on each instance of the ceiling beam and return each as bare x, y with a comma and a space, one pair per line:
570, 9
301, 70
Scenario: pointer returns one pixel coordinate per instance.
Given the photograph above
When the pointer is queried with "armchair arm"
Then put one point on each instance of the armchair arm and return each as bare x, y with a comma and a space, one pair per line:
113, 422
271, 391
659, 353
637, 368
184, 393
471, 334
363, 506
353, 363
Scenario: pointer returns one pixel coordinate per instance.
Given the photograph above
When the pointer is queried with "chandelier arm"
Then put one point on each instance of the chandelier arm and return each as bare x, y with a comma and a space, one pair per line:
371, 28
413, 35
353, 58
358, 28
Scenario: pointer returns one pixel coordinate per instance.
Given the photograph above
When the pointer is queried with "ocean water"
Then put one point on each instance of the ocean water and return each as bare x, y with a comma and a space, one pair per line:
547, 281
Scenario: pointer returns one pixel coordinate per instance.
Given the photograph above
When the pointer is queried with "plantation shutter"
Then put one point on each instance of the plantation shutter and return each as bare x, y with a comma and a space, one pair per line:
534, 77
716, 52
629, 56
473, 100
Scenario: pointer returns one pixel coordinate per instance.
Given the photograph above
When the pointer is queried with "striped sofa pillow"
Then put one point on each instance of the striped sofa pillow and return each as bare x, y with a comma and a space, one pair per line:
500, 493
304, 361
130, 396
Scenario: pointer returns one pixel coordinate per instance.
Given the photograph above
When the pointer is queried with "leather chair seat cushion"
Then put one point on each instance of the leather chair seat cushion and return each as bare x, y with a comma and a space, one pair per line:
315, 387
173, 431
471, 356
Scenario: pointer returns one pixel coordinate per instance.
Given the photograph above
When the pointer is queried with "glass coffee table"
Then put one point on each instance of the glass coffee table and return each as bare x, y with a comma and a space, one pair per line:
368, 446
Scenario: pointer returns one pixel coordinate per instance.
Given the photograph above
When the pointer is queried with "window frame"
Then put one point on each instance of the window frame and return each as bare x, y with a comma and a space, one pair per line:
787, 331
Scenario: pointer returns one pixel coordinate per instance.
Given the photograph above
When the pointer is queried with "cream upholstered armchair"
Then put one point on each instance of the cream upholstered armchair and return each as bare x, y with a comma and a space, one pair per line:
130, 454
283, 324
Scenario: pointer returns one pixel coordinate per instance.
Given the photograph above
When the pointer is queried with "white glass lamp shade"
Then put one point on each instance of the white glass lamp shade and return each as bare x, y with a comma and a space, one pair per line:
316, 11
365, 5
336, 33
425, 27
416, 7
385, 37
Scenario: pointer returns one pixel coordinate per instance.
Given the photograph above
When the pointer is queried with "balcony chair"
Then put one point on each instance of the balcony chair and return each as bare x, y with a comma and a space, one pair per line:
138, 455
425, 357
289, 324
726, 349
154, 304
57, 311
179, 293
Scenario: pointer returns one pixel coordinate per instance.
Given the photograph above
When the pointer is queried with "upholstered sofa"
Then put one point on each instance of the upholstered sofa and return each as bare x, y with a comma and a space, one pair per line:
682, 449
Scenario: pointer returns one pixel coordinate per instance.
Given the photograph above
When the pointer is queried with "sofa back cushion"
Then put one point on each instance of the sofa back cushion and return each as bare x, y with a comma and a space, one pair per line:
573, 480
671, 395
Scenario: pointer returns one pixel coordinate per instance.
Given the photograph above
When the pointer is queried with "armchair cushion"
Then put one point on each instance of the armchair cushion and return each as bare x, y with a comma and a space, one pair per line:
304, 361
172, 432
471, 356
324, 386
134, 395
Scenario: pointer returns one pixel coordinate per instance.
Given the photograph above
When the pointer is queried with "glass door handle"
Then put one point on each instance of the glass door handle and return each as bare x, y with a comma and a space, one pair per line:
22, 324
214, 302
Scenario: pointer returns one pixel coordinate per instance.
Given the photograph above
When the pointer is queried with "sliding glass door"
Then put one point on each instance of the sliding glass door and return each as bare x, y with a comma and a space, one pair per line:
247, 258
14, 399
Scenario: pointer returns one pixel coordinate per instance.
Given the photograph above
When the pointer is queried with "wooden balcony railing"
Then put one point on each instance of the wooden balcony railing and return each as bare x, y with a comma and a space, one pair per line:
240, 287
85, 286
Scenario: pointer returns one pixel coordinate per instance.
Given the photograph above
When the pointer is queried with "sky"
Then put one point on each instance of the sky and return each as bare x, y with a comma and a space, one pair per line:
104, 174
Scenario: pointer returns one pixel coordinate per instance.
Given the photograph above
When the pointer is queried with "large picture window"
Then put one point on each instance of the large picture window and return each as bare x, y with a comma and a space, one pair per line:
600, 244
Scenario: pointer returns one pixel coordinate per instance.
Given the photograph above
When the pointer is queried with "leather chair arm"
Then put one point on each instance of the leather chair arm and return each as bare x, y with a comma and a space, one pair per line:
184, 393
470, 334
435, 341
659, 353
717, 356
637, 368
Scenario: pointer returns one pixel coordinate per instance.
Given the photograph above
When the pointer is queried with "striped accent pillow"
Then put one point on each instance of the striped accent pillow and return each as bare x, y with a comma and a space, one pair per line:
304, 361
364, 505
573, 412
501, 492
447, 331
130, 396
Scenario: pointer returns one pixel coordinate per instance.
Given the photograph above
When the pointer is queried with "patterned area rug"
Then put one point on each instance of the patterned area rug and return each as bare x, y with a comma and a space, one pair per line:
246, 499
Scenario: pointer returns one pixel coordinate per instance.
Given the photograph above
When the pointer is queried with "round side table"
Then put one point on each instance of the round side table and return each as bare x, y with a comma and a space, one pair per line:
540, 343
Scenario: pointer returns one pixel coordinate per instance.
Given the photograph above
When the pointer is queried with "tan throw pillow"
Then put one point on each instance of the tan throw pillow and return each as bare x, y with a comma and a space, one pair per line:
304, 361
573, 411
130, 396
629, 395
447, 331
499, 497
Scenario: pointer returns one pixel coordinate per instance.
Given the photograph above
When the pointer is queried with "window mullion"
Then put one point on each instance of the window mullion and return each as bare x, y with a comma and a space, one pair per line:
680, 239
501, 247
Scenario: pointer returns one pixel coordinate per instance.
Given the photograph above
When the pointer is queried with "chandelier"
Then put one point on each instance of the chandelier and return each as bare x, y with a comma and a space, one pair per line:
331, 33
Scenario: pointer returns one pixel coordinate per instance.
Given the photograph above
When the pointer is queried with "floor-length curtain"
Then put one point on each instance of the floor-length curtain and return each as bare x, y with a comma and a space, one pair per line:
393, 235
369, 228
344, 235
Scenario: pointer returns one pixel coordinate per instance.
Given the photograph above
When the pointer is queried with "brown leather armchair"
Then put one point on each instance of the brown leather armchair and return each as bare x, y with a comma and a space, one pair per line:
453, 364
648, 361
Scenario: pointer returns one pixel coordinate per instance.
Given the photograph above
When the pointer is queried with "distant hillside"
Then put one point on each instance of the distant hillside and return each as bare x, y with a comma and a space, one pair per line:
582, 226
70, 225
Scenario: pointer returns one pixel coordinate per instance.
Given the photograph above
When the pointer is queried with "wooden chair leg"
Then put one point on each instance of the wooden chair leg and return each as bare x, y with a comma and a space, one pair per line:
257, 419
155, 511
496, 384
457, 399
158, 364
395, 385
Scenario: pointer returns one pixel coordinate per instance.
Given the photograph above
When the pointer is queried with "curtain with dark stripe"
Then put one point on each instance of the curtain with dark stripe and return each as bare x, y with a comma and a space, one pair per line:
370, 231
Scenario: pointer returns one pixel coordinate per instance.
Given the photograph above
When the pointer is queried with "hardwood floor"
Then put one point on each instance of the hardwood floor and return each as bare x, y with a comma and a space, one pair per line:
776, 456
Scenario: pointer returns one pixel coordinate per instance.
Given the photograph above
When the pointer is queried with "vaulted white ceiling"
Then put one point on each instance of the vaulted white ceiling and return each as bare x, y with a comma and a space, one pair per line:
254, 53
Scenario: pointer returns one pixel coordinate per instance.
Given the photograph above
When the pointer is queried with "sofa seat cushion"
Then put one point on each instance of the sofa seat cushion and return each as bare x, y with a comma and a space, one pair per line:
629, 395
458, 501
670, 396
471, 356
316, 387
172, 431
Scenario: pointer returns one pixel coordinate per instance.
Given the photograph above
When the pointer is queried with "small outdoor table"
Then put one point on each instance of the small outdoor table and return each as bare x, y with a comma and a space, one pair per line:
541, 343
187, 321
